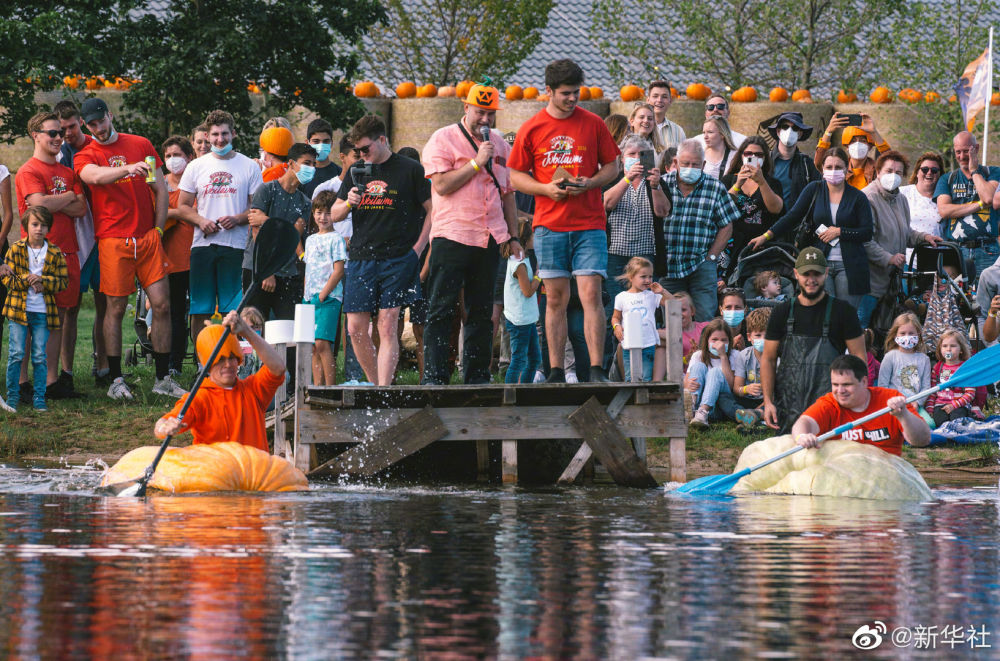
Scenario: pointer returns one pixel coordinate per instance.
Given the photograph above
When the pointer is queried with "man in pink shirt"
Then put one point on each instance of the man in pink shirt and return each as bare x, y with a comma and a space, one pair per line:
474, 212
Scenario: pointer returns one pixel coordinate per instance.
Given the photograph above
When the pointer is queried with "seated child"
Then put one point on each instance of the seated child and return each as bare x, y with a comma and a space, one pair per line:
746, 384
34, 271
767, 286
710, 375
950, 404
228, 408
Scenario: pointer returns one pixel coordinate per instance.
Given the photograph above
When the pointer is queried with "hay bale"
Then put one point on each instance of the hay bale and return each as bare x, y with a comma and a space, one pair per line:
906, 127
414, 120
689, 114
513, 114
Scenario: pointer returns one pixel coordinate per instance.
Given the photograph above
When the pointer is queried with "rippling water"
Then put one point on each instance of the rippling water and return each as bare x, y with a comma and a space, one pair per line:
588, 573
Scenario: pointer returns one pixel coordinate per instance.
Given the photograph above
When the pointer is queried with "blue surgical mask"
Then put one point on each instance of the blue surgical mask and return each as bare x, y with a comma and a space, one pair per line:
689, 175
733, 318
305, 174
222, 151
758, 344
629, 162
322, 151
715, 352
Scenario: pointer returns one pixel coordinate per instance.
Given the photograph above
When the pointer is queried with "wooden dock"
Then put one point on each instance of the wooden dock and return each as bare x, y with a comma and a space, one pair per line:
380, 426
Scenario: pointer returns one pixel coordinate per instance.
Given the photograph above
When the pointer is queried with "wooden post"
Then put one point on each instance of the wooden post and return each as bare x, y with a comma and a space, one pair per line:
305, 455
584, 454
609, 445
675, 374
280, 440
482, 461
508, 461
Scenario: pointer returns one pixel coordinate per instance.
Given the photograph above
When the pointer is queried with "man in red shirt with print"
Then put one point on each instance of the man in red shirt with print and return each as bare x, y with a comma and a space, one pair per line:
43, 181
129, 215
851, 398
564, 156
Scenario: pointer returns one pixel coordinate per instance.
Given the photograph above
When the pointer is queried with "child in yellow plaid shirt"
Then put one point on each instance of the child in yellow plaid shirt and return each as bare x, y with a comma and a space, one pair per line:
33, 272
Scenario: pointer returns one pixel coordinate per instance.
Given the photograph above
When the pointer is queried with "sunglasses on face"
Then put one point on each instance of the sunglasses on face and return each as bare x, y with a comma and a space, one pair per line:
754, 153
54, 133
715, 106
927, 170
362, 151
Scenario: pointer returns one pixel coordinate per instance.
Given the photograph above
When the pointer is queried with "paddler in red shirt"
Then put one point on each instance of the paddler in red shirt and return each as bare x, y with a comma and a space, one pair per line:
227, 408
850, 399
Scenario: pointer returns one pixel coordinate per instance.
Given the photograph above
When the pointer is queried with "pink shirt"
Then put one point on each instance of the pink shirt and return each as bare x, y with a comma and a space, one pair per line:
474, 212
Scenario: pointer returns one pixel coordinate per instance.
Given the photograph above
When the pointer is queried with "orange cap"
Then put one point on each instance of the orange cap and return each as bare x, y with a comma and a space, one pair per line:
484, 96
852, 132
277, 140
209, 337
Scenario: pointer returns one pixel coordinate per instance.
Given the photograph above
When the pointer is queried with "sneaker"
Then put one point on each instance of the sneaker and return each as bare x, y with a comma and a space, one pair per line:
749, 418
119, 390
167, 386
41, 408
700, 418
598, 375
62, 388
571, 377
7, 407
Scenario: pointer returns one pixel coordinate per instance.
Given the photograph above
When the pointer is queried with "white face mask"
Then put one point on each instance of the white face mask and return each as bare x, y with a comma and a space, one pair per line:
788, 136
176, 164
890, 181
753, 161
907, 341
857, 150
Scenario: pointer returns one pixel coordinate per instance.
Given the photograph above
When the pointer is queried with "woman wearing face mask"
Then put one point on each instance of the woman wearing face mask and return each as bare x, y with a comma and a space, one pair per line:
837, 219
642, 122
633, 204
756, 192
863, 143
177, 237
719, 147
891, 233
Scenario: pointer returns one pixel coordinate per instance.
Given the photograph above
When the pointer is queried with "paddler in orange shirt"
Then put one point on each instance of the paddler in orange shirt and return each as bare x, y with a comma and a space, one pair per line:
228, 408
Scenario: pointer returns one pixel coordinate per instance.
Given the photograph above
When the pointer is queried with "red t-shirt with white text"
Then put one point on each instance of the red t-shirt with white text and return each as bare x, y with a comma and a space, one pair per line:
883, 432
581, 143
37, 176
123, 209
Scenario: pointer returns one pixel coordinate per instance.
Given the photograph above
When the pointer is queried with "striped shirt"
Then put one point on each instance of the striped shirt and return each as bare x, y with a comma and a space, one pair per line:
55, 278
694, 222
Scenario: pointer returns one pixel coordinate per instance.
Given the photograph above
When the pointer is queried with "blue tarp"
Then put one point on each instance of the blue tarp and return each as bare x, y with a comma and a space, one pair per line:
968, 431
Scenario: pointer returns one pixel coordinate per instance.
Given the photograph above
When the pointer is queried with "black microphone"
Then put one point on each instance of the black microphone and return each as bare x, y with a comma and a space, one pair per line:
484, 131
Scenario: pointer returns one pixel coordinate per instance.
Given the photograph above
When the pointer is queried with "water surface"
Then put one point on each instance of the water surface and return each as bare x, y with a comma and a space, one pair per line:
421, 572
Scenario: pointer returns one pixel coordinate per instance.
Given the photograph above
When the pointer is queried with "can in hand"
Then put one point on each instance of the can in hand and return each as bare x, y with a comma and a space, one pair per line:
151, 164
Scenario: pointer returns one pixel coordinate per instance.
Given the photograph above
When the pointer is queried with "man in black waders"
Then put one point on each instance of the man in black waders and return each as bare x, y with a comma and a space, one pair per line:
803, 337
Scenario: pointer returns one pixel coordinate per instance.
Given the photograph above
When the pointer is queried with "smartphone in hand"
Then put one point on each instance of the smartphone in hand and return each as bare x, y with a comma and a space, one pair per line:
647, 158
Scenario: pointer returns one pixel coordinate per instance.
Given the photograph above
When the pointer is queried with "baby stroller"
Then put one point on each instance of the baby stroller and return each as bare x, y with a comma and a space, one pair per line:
142, 348
928, 261
777, 257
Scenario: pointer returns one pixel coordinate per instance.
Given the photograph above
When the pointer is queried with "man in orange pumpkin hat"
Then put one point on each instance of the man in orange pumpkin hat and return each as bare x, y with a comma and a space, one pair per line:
227, 408
474, 213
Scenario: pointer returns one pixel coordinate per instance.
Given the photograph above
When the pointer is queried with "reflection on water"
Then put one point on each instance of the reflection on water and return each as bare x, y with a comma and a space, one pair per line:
431, 573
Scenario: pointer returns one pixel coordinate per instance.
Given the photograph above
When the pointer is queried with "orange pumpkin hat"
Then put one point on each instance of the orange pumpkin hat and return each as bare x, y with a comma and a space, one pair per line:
277, 140
483, 95
209, 337
852, 132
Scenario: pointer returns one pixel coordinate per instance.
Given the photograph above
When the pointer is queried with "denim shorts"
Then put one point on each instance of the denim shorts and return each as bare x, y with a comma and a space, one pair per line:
581, 252
381, 284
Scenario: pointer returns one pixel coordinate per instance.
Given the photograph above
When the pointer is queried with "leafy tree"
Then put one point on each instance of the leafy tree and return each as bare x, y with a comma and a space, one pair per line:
198, 56
720, 42
443, 41
41, 41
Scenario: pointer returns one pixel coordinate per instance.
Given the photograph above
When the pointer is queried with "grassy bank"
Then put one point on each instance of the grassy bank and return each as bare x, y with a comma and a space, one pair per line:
98, 427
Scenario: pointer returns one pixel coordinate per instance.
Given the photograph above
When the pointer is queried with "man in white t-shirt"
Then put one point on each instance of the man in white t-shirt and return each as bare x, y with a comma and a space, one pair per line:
223, 183
345, 227
717, 106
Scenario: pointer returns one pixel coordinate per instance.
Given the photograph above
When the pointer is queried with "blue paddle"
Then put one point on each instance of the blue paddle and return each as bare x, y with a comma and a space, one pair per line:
980, 370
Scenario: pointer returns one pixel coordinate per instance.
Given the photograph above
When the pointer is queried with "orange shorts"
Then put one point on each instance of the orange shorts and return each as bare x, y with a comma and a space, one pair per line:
124, 260
69, 297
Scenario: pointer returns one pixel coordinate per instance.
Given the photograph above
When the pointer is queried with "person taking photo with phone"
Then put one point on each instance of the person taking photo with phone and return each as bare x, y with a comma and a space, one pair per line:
863, 142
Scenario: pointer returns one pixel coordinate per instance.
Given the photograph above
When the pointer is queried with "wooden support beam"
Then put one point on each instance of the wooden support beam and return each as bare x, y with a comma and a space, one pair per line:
678, 459
281, 446
584, 454
390, 446
482, 461
610, 446
305, 455
508, 466
675, 350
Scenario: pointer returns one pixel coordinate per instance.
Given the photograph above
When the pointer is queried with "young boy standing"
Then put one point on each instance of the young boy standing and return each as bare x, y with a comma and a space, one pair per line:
746, 384
37, 272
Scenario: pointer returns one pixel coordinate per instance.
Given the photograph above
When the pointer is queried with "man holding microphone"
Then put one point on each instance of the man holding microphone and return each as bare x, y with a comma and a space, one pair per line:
474, 212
